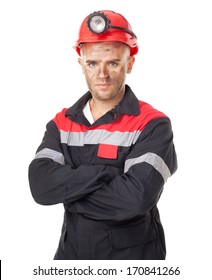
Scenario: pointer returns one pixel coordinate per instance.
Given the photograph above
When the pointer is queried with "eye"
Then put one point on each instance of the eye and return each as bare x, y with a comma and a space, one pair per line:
92, 64
113, 64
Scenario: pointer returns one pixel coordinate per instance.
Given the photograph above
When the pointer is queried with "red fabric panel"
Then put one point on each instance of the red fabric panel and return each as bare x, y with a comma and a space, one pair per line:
107, 151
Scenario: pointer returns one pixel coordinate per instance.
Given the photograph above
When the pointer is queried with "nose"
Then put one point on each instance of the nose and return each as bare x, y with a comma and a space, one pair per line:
103, 72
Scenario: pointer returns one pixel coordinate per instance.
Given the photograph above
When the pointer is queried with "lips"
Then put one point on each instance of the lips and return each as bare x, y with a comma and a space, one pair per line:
103, 85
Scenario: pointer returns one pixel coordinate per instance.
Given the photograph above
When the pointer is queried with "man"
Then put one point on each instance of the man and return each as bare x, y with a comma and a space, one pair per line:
108, 156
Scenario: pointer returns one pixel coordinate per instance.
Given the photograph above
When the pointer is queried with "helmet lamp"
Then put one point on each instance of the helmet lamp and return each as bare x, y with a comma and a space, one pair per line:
98, 23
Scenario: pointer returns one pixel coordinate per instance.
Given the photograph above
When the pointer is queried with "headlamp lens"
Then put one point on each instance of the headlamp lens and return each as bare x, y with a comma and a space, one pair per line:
98, 22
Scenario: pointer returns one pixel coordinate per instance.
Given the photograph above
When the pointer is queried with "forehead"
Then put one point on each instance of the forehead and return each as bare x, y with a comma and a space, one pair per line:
104, 46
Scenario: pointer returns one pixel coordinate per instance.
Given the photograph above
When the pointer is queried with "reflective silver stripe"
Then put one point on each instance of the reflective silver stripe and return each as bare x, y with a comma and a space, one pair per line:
156, 161
118, 138
49, 153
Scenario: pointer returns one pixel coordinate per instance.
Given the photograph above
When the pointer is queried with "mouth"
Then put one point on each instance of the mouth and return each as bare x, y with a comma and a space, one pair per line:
103, 85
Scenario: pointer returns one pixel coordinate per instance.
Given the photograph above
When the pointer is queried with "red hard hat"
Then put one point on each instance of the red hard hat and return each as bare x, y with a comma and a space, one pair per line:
116, 29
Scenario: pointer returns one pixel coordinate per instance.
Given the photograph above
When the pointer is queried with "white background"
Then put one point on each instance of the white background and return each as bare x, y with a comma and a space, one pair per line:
39, 75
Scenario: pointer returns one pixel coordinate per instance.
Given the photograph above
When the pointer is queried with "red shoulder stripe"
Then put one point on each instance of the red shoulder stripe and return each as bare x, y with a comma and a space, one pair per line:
126, 123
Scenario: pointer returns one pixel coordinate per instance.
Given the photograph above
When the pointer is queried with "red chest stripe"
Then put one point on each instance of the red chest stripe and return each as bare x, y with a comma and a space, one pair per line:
126, 123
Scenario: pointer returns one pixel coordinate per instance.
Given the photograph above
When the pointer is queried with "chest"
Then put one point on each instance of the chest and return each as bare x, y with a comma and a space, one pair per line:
105, 144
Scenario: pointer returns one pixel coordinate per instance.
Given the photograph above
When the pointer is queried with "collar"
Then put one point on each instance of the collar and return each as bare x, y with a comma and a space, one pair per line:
129, 104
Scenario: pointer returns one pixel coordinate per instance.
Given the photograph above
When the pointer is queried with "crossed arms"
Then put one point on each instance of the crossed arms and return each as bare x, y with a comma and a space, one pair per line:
104, 192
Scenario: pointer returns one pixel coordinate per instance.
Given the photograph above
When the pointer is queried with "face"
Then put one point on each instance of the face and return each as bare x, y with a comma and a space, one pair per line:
105, 66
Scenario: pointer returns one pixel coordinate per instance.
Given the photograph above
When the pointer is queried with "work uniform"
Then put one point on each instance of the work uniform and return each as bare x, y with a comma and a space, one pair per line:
109, 175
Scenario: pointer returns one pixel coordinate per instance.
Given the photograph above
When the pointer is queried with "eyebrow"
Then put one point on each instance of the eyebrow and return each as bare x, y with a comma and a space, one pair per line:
93, 60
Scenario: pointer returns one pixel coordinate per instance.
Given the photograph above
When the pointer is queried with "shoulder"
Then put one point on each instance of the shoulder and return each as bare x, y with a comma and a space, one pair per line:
60, 118
149, 115
148, 112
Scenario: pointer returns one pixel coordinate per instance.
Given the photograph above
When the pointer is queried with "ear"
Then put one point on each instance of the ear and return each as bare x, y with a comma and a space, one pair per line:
80, 61
130, 64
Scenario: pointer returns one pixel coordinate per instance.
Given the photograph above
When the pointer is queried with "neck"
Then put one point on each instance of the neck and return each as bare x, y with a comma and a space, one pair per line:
100, 108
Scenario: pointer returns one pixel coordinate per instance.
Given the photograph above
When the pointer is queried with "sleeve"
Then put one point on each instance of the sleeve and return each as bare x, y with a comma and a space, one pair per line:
150, 163
52, 181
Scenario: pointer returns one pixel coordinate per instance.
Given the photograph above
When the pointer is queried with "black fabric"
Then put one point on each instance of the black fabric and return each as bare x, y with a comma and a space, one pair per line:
138, 238
110, 213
